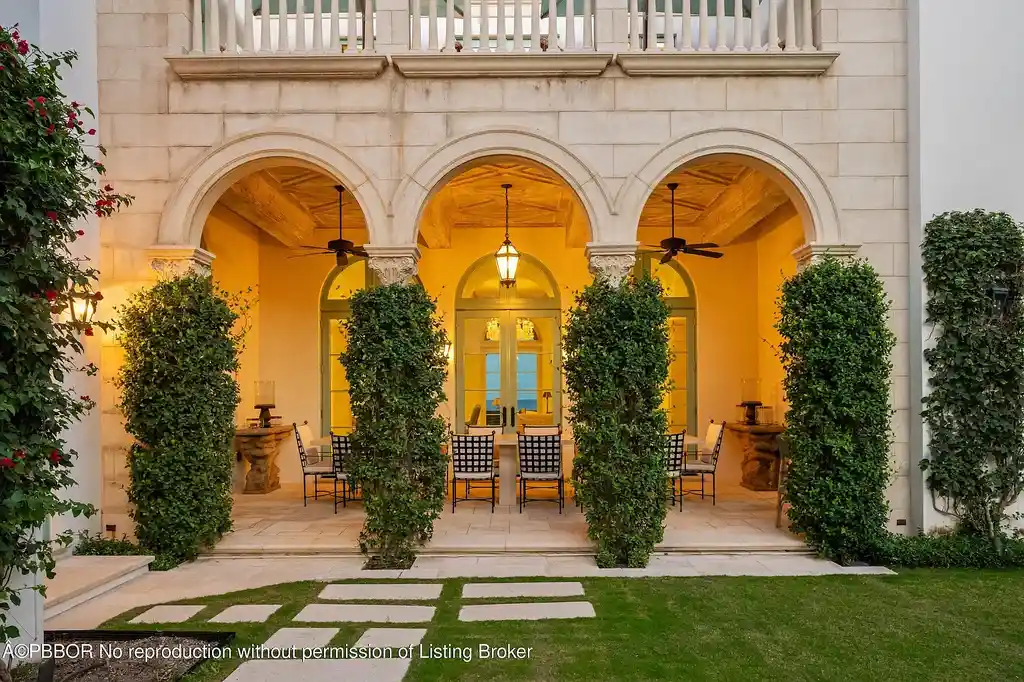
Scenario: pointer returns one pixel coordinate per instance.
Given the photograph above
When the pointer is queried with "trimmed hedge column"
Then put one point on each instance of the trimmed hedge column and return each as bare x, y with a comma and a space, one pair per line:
616, 370
396, 369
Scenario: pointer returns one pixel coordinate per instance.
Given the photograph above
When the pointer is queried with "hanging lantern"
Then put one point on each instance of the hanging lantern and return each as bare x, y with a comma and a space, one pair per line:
506, 256
82, 305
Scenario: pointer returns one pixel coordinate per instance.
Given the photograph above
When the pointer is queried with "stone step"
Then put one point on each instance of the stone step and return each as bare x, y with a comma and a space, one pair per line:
79, 579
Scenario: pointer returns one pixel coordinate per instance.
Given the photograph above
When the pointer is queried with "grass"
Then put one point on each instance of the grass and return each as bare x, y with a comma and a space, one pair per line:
920, 625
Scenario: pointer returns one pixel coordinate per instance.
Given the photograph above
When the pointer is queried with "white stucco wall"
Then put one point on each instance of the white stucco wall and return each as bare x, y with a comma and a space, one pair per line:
965, 134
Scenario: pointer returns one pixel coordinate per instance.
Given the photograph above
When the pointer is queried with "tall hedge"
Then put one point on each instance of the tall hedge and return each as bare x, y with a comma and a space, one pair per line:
616, 371
835, 348
975, 409
178, 397
396, 369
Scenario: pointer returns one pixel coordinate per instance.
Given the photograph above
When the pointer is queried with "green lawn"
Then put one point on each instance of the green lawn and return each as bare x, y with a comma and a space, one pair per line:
920, 625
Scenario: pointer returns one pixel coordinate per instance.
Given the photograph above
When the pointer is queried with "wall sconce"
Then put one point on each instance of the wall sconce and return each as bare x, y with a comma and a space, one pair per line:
449, 351
1001, 299
82, 305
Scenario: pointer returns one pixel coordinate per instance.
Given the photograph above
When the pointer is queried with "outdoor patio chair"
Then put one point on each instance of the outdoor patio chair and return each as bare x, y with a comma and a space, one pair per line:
482, 430
310, 466
706, 462
540, 461
472, 460
675, 453
341, 450
542, 430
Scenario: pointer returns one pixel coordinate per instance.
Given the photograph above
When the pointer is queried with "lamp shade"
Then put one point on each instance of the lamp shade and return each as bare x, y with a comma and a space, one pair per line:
507, 259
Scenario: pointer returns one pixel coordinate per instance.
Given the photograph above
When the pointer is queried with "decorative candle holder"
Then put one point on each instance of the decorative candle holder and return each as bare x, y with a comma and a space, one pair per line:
265, 402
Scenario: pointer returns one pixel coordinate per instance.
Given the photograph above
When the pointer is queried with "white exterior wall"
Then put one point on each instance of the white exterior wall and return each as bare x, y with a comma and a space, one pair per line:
966, 138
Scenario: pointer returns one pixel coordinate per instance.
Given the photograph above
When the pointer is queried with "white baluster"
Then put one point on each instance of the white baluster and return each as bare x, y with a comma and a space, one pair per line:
773, 26
588, 24
552, 26
535, 26
232, 30
739, 43
503, 44
517, 25
652, 34
449, 26
417, 24
368, 36
485, 27
318, 26
721, 44
570, 25
755, 26
300, 26
282, 26
670, 27
808, 27
335, 21
197, 26
687, 27
249, 36
432, 28
702, 27
352, 41
791, 45
213, 32
634, 26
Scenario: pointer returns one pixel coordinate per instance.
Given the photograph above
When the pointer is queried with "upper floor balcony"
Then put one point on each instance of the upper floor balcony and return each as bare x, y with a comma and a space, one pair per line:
494, 38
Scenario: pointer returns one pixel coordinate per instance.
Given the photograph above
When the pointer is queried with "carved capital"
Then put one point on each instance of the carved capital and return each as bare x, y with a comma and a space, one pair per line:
812, 253
174, 261
393, 264
611, 262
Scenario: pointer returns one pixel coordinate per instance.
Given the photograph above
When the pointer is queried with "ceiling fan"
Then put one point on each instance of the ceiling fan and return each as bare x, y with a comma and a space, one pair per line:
340, 247
675, 245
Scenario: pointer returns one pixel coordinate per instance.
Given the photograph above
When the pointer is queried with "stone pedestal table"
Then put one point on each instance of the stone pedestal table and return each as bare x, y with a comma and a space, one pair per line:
760, 443
260, 448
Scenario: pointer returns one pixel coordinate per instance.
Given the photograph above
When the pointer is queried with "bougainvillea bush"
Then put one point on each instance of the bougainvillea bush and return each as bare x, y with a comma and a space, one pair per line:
49, 181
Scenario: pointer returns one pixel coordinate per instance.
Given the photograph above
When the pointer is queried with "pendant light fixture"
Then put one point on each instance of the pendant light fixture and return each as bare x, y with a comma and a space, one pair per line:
506, 256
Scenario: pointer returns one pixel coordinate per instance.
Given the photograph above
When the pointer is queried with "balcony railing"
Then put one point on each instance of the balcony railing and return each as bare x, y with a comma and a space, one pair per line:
502, 37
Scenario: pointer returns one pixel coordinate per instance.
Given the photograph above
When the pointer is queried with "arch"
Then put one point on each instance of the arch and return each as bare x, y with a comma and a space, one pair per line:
554, 300
793, 173
450, 159
206, 181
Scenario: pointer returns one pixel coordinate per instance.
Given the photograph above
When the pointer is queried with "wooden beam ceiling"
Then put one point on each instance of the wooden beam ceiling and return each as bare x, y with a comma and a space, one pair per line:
264, 202
744, 204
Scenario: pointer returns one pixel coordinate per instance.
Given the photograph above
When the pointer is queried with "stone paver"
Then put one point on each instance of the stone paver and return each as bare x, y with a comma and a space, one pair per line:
364, 613
300, 638
246, 613
169, 613
395, 638
382, 592
527, 611
498, 590
313, 670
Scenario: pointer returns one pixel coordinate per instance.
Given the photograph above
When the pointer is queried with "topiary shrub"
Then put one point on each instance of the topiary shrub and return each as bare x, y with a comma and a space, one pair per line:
48, 184
616, 371
835, 349
975, 410
396, 369
178, 398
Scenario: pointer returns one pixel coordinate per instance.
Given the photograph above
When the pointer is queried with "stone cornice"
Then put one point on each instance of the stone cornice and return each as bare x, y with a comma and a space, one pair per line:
502, 64
692, 63
256, 66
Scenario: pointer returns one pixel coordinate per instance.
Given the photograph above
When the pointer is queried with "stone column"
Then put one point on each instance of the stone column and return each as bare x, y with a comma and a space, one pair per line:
812, 253
611, 25
393, 264
611, 262
171, 261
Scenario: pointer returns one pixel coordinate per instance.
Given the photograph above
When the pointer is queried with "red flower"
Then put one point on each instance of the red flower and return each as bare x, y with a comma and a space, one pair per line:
31, 104
88, 331
81, 233
19, 454
75, 105
7, 463
41, 99
55, 457
52, 215
92, 131
49, 131
108, 188
83, 398
22, 47
97, 296
50, 294
99, 214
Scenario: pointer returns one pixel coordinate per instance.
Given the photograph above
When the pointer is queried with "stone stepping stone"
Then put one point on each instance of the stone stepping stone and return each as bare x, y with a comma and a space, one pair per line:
301, 638
321, 670
365, 613
169, 613
395, 638
381, 592
528, 611
498, 590
246, 613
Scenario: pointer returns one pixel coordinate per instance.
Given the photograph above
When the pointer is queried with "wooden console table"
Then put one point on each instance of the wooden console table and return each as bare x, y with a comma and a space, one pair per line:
260, 448
761, 457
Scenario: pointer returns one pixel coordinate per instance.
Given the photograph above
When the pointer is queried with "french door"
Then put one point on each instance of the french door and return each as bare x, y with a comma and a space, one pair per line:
507, 368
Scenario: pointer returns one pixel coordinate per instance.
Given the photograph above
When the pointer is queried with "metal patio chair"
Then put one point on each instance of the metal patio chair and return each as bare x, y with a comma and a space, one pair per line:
540, 462
472, 461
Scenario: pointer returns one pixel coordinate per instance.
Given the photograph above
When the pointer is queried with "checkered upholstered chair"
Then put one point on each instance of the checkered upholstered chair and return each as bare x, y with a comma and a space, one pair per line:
540, 463
707, 462
675, 454
472, 461
341, 450
311, 466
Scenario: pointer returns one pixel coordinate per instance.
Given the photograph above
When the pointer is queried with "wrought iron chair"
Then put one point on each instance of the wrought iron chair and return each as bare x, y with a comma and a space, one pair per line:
341, 450
540, 461
317, 469
472, 460
707, 462
542, 430
675, 454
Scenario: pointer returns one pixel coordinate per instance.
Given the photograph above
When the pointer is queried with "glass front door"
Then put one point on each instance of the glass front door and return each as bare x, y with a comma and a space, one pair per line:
507, 368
